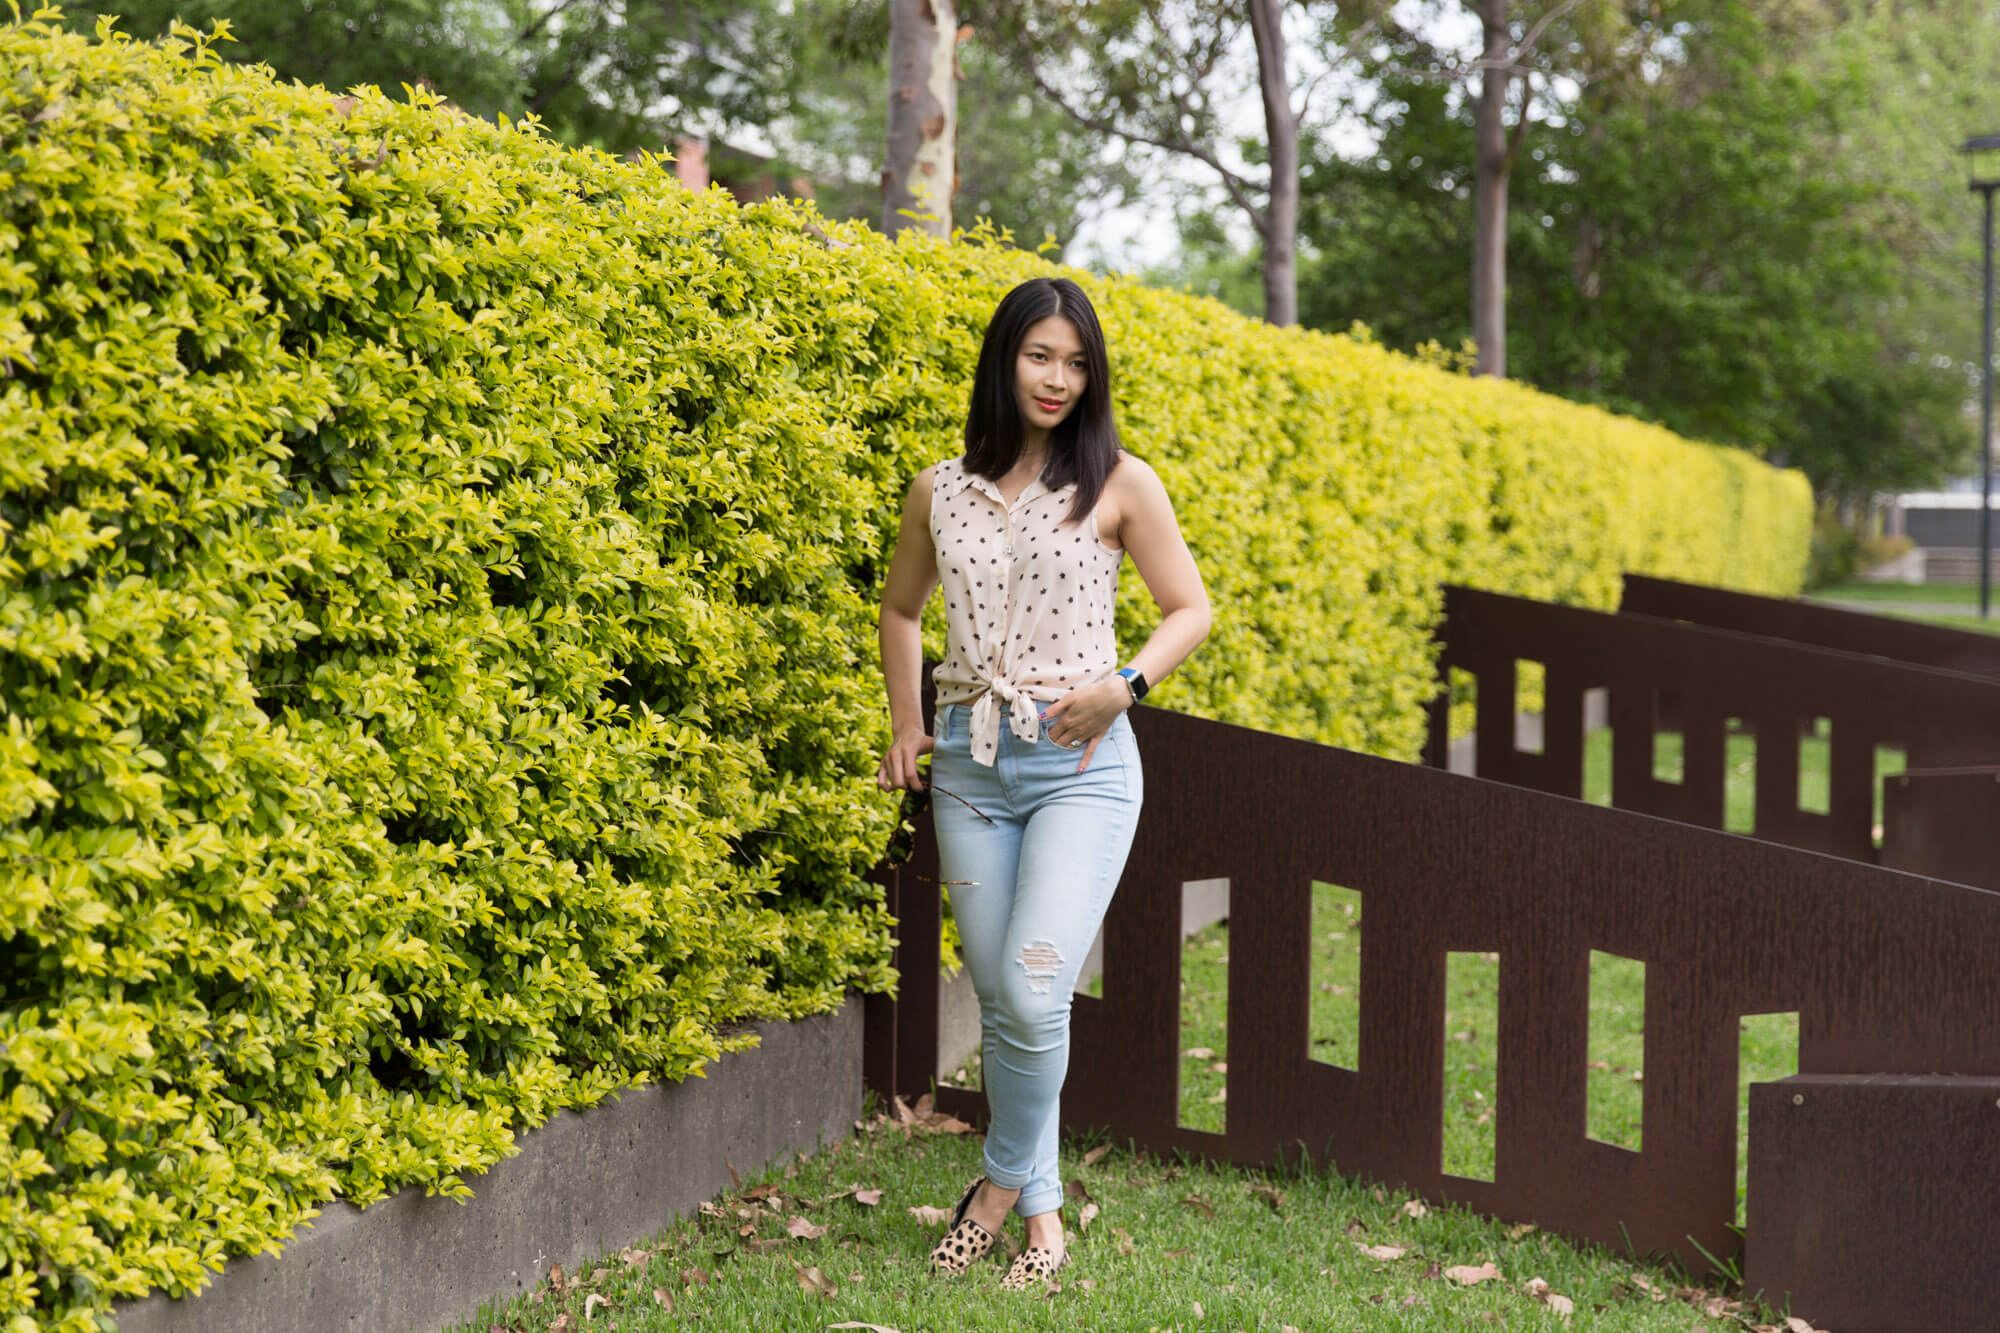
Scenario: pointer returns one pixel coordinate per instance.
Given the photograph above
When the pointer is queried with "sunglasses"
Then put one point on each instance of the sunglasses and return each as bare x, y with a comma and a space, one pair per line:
903, 842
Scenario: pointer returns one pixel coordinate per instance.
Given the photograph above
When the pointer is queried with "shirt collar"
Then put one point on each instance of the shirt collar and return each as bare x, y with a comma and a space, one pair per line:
964, 478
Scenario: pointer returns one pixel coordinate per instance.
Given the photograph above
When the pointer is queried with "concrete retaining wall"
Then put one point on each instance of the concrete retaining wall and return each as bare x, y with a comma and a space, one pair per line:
582, 1185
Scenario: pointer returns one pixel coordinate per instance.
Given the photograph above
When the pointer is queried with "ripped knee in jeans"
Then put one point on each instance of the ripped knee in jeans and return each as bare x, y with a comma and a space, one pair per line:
1041, 962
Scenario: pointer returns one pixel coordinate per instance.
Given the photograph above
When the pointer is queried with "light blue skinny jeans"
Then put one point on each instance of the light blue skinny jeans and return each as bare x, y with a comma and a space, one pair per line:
1028, 892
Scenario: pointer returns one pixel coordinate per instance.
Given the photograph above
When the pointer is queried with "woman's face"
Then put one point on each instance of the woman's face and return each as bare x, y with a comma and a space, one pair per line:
1049, 373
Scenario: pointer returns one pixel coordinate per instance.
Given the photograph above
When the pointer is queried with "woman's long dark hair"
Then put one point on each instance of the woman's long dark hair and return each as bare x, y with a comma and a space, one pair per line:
1083, 448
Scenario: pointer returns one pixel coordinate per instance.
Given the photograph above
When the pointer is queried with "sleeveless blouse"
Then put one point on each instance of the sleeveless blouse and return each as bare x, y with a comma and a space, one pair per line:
1029, 601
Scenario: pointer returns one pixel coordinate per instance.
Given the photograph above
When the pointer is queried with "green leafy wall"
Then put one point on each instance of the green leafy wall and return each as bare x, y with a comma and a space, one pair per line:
436, 621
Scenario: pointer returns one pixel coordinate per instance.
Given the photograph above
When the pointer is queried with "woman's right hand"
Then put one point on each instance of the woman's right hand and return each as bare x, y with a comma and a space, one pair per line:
899, 762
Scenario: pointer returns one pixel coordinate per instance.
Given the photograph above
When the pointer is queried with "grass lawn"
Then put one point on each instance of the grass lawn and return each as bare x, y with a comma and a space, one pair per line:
1167, 1245
1957, 594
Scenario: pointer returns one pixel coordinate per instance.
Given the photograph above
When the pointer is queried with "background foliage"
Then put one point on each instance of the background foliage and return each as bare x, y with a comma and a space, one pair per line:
436, 648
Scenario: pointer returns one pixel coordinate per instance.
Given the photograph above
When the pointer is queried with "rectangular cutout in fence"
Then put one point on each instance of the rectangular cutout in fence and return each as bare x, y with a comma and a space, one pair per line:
1889, 761
1462, 688
1816, 767
1615, 1096
1333, 1028
1471, 1063
1204, 1041
1596, 746
1669, 760
1529, 678
1767, 1049
1739, 777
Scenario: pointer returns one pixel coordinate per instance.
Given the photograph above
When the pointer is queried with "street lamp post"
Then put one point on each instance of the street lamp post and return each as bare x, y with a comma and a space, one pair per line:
1985, 143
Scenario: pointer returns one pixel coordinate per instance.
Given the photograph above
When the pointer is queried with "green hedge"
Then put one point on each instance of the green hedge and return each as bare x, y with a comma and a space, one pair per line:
436, 619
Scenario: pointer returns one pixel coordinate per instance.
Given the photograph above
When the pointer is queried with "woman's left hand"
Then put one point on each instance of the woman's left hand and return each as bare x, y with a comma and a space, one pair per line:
1085, 714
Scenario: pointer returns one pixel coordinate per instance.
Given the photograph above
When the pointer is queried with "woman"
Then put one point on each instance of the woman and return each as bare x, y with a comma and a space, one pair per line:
1026, 533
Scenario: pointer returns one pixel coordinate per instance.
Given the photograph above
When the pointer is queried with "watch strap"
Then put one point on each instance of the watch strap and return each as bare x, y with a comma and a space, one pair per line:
1135, 681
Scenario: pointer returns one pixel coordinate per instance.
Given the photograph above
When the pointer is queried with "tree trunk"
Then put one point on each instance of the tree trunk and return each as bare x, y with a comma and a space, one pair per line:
919, 173
1489, 192
1281, 215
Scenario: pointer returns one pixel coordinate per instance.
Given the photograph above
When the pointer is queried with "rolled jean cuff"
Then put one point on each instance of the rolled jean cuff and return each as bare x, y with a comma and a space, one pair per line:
1033, 1203
1007, 1180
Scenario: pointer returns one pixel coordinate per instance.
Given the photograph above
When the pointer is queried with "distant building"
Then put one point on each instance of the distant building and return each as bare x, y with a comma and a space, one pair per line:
1943, 529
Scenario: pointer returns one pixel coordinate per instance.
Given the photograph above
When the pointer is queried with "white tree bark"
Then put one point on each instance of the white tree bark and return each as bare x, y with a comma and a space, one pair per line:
920, 170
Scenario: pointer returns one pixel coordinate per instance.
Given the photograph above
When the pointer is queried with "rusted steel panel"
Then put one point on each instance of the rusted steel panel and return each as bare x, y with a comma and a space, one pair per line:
1889, 972
1823, 626
1667, 675
1872, 1201
1944, 823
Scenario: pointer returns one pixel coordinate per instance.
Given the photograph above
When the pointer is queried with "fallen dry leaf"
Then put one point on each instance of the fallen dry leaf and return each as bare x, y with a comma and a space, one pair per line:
1198, 1311
1087, 1284
1541, 1291
929, 1216
1646, 1286
1384, 1253
1520, 1229
693, 1277
761, 1193
765, 1244
814, 1282
949, 1124
734, 1174
873, 1328
1219, 1067
1076, 1189
1197, 1053
1414, 1208
1199, 1204
662, 1299
1718, 1307
1794, 1324
632, 1258
590, 1304
1270, 1194
801, 1229
1221, 1095
344, 106
561, 1324
868, 1198
1096, 1155
556, 1283
1086, 1216
1124, 1240
900, 1109
1381, 1196
1466, 1275
1354, 1227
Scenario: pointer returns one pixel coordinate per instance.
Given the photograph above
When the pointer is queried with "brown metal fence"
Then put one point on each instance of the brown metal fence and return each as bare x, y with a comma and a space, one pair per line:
1889, 973
1699, 682
1822, 626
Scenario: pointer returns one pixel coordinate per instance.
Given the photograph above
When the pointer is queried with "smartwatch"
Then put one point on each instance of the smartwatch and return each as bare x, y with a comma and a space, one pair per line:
1135, 681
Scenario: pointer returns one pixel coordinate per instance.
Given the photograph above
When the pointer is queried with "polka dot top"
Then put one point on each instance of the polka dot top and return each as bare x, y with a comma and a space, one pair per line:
1028, 601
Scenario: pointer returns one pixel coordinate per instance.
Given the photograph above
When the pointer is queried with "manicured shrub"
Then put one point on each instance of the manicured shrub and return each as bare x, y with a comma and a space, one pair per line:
436, 619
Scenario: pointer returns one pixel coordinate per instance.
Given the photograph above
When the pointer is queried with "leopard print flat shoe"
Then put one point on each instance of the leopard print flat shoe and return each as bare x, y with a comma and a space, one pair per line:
1031, 1267
965, 1242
